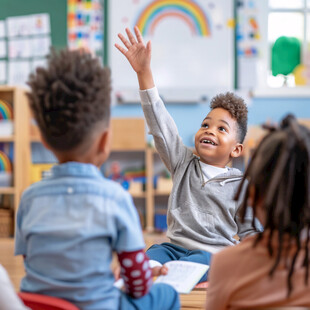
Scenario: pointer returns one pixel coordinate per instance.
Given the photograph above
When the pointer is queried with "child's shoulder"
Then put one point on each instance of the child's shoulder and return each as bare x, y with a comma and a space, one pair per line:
234, 172
232, 176
54, 186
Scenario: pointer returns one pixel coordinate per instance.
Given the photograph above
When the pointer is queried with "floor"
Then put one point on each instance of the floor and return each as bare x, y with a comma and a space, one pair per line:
14, 265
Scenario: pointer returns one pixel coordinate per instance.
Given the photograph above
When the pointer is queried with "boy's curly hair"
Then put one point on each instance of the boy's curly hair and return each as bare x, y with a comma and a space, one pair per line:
70, 98
236, 107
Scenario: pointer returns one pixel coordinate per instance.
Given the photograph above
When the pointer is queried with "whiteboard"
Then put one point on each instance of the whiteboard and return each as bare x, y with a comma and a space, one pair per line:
192, 47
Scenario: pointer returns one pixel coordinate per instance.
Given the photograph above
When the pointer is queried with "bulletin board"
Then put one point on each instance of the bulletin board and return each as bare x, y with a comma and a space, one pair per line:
192, 47
57, 9
27, 30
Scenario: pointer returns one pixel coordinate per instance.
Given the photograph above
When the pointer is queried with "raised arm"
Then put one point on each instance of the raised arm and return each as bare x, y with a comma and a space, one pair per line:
161, 125
139, 57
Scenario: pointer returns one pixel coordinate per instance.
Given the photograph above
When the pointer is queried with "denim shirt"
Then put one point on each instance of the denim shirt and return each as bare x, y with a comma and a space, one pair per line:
67, 226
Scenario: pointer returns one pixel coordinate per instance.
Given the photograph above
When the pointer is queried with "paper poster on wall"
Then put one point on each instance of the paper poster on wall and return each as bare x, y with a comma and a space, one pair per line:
40, 46
2, 71
29, 47
2, 48
85, 24
18, 72
2, 29
192, 47
250, 38
36, 24
19, 48
28, 42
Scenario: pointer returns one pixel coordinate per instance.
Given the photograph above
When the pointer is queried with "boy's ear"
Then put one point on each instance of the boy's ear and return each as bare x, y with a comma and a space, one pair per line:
237, 151
105, 143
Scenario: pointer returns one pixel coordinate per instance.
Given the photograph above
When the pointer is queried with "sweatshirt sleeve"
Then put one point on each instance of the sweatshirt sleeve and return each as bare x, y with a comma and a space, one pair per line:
163, 128
246, 227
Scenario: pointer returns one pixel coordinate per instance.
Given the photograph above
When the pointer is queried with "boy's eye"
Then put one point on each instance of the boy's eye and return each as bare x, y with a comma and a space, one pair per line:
222, 129
204, 125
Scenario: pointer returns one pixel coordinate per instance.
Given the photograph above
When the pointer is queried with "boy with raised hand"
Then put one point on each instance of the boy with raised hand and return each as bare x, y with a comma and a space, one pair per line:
202, 215
69, 224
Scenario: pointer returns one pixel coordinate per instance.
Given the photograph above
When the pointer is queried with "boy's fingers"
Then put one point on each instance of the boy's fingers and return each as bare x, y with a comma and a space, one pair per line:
164, 270
124, 40
130, 36
138, 34
121, 49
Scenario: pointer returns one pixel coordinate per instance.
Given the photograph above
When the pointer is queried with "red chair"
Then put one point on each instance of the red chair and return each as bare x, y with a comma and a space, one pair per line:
44, 302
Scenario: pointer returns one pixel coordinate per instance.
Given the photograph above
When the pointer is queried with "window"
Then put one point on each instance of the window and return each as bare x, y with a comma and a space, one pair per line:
290, 18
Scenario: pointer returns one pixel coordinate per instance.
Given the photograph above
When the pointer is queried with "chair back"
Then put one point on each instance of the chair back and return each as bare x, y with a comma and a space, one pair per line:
281, 308
44, 302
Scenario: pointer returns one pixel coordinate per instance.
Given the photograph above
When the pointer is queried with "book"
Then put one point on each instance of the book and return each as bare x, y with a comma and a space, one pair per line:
202, 286
183, 275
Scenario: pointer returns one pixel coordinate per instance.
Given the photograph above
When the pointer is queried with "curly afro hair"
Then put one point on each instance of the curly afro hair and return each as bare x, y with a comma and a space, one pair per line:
236, 107
70, 98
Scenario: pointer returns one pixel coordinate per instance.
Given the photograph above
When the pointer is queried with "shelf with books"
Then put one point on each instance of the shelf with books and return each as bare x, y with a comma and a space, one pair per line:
14, 150
129, 149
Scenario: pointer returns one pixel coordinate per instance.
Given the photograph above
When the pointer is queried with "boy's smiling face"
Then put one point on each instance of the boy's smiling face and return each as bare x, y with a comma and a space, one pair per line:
216, 142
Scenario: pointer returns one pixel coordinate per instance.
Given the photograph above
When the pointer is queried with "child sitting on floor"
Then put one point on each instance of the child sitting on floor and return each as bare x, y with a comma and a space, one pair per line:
69, 224
270, 269
202, 215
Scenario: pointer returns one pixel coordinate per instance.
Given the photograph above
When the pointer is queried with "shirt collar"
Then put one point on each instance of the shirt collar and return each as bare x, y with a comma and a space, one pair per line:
76, 169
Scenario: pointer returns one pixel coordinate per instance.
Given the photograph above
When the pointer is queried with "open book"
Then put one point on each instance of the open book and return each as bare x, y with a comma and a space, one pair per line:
183, 276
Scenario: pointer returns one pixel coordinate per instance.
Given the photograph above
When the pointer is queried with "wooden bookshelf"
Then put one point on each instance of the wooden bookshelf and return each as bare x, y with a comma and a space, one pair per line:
16, 97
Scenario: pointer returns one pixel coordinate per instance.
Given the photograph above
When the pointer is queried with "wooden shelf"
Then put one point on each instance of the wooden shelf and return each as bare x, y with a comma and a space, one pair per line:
7, 139
21, 157
161, 193
137, 195
7, 190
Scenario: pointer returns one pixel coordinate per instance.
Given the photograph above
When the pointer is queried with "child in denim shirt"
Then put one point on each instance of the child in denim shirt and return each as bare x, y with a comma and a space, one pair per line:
69, 224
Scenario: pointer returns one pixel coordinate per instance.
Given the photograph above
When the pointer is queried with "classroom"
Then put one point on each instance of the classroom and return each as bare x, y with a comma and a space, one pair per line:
154, 154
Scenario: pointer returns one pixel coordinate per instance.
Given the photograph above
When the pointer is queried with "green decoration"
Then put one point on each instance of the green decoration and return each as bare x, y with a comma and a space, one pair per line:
285, 55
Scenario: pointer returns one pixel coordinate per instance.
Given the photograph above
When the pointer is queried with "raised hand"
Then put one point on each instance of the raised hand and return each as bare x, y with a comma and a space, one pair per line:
137, 53
139, 56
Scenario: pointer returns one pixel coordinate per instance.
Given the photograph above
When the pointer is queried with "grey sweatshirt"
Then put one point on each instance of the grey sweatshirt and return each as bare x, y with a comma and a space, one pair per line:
201, 215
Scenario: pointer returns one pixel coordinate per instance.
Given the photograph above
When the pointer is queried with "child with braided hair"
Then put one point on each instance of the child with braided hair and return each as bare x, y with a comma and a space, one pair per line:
69, 224
270, 269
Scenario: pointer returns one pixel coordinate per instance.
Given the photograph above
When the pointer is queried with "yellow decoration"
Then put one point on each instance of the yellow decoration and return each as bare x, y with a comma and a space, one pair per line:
38, 170
300, 75
231, 23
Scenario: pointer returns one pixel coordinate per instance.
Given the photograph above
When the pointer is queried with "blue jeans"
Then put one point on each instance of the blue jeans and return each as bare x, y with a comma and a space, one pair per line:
160, 297
166, 252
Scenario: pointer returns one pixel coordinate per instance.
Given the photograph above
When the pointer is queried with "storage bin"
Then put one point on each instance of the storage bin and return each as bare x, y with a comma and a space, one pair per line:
6, 223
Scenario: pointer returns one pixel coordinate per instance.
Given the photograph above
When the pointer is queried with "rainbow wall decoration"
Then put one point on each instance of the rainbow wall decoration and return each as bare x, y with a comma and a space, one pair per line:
188, 11
6, 111
5, 164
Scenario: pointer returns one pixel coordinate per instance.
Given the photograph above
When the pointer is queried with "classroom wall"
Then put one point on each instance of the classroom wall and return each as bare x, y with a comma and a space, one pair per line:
189, 117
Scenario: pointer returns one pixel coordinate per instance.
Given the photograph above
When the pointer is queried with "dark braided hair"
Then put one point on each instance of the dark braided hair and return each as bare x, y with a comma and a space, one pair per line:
70, 98
279, 173
236, 107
